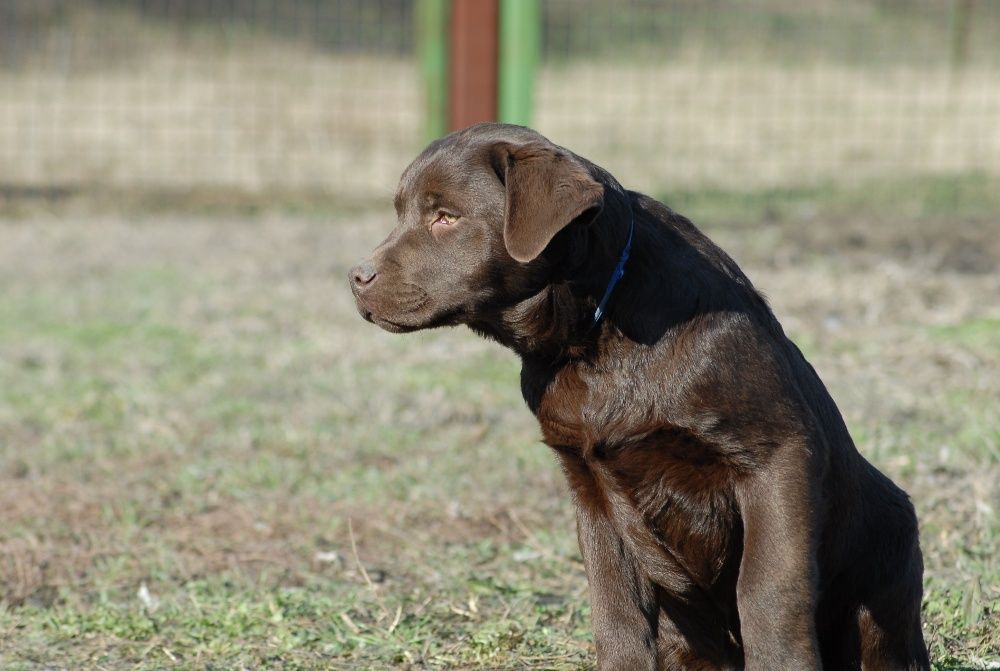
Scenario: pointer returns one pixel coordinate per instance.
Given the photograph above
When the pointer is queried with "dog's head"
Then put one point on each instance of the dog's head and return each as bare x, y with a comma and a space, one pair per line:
476, 214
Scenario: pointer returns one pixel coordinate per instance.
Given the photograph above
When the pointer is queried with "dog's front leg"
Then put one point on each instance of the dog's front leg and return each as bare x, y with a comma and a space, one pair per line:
623, 603
776, 589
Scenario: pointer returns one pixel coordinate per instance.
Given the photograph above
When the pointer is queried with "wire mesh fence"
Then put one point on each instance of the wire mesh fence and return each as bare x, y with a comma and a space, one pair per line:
774, 92
264, 95
252, 95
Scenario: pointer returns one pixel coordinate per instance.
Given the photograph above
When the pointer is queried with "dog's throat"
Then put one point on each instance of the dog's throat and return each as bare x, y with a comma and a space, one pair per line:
546, 323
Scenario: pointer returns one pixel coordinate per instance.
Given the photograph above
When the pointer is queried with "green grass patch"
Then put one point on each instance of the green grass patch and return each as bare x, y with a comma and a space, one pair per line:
963, 196
983, 333
299, 490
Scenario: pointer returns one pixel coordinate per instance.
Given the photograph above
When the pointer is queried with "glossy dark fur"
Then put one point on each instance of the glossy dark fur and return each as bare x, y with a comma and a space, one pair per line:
725, 518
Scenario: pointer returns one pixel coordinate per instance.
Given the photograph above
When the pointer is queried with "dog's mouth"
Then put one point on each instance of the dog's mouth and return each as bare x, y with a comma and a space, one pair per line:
411, 311
408, 302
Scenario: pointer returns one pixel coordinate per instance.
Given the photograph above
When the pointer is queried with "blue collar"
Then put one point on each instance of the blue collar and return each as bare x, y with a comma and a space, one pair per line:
618, 274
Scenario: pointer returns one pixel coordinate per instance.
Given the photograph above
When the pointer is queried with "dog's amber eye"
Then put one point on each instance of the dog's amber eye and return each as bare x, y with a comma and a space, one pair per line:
444, 220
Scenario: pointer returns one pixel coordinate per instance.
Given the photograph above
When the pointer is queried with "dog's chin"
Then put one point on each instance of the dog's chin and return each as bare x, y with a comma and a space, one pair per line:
393, 327
387, 324
407, 323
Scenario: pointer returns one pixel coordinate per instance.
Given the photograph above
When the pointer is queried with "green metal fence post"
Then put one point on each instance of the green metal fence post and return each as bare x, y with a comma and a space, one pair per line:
432, 49
520, 41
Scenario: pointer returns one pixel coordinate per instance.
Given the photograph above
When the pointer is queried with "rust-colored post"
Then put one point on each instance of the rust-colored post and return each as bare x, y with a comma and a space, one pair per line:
472, 69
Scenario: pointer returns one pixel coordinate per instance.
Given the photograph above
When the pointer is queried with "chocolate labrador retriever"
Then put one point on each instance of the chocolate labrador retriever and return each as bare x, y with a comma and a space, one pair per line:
725, 517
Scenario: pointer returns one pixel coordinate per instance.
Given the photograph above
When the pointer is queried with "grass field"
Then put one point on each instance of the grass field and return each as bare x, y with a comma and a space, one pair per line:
209, 461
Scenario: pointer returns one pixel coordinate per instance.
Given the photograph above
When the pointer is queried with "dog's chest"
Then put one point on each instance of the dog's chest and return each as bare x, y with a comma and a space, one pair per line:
583, 411
667, 489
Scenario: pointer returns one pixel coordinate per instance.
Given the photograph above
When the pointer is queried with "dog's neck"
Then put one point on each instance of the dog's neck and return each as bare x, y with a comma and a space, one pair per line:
557, 323
673, 275
553, 324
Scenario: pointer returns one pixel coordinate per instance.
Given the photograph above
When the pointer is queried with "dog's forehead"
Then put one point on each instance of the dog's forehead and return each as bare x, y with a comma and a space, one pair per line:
459, 162
448, 169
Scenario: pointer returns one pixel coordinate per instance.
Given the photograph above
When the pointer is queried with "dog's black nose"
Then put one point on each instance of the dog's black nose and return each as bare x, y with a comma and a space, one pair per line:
363, 274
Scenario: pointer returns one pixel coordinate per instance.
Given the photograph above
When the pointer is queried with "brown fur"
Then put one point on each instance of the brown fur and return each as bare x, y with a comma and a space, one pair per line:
725, 517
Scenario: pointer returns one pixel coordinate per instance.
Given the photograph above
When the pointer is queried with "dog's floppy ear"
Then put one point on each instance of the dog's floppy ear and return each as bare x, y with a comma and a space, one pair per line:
547, 188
